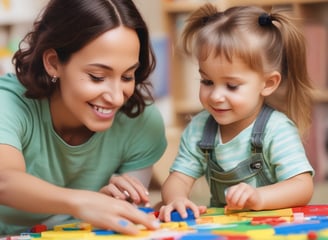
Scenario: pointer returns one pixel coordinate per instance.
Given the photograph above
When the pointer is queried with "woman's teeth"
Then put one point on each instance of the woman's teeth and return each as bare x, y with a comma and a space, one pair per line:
103, 110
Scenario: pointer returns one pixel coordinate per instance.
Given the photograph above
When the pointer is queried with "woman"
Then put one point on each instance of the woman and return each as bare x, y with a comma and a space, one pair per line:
78, 132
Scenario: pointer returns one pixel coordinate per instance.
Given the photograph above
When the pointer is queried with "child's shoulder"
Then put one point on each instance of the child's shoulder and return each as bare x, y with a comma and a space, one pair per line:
197, 123
278, 118
200, 118
280, 123
202, 115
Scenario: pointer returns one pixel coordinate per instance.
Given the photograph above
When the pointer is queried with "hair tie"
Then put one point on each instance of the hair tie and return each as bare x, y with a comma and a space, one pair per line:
265, 19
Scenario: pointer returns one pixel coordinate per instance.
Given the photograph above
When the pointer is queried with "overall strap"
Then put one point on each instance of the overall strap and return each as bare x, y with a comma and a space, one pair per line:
209, 133
259, 126
206, 144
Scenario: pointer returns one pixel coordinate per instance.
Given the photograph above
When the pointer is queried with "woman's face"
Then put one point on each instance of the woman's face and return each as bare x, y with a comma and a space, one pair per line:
97, 80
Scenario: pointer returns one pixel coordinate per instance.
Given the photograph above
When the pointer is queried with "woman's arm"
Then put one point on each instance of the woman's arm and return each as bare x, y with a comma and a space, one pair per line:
144, 175
23, 191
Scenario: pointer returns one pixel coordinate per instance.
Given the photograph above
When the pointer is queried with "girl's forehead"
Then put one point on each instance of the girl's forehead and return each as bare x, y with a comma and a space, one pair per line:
244, 47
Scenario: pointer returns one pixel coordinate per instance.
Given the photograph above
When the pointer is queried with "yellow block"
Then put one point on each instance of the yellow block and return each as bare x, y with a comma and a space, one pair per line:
75, 226
76, 234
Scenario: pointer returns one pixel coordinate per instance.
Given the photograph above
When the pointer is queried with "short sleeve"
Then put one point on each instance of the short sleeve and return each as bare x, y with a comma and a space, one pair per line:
284, 148
14, 114
145, 140
190, 159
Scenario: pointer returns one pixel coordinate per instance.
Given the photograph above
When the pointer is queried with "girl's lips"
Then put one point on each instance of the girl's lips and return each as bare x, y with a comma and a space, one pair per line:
220, 110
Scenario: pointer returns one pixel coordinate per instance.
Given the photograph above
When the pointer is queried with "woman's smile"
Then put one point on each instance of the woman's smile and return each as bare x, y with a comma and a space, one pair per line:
103, 112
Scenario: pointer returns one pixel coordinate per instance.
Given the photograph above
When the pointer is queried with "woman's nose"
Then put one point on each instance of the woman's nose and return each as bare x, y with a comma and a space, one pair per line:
114, 94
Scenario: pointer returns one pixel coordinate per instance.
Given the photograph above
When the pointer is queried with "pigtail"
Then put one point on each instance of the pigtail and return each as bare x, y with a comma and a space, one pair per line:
195, 22
294, 73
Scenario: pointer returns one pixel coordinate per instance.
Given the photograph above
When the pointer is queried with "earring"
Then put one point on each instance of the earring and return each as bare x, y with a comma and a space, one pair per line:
54, 79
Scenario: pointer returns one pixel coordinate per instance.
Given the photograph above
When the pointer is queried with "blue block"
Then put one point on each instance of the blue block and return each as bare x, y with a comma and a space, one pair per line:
103, 232
300, 228
146, 209
176, 217
202, 236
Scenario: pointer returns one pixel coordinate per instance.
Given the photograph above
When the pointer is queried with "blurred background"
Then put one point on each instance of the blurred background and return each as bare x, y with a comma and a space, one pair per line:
175, 79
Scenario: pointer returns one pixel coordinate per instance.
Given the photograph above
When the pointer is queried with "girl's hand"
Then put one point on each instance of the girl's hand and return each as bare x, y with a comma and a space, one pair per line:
180, 204
242, 196
106, 212
127, 188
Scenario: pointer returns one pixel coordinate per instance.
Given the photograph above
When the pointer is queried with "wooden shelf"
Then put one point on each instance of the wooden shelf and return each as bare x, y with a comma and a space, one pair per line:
185, 6
320, 96
10, 19
187, 107
180, 6
20, 12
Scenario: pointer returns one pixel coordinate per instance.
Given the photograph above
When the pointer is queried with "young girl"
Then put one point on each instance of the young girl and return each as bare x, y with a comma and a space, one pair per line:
256, 94
79, 133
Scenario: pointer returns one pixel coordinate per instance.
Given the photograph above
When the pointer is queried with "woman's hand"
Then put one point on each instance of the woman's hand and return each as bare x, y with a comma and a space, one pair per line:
127, 188
105, 212
179, 204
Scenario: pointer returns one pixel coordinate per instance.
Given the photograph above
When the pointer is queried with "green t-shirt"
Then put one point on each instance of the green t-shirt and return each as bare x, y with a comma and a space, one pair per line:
130, 144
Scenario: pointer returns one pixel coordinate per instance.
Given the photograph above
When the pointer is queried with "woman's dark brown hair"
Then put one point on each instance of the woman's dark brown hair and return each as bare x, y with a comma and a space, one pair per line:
67, 26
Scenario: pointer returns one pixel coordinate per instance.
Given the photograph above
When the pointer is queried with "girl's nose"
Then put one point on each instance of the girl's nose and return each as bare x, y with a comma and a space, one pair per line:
218, 95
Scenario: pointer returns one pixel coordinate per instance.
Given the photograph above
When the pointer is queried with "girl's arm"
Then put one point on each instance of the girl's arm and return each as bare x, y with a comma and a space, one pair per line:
23, 191
177, 185
295, 191
175, 194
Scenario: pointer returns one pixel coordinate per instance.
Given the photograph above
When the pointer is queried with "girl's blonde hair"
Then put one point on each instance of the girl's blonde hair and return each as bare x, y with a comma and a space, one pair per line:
266, 42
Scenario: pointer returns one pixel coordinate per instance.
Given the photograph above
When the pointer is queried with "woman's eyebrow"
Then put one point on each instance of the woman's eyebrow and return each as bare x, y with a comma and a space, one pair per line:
106, 67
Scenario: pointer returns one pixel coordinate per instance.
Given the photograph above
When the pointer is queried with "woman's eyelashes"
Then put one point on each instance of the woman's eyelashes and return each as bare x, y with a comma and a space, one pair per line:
125, 78
128, 78
96, 78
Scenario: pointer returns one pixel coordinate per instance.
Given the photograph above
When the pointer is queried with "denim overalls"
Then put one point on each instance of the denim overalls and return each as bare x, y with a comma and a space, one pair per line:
251, 170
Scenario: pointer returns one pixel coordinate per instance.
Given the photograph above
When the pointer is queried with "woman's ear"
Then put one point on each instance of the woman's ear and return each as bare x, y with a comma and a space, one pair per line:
271, 83
51, 62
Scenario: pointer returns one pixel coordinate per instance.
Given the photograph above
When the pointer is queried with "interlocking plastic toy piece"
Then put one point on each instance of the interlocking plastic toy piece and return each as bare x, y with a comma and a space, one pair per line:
312, 210
102, 232
300, 228
203, 236
73, 226
38, 228
273, 221
146, 209
176, 217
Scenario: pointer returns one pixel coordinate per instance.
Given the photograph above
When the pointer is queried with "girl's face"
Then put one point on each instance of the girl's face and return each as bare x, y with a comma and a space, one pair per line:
97, 81
231, 92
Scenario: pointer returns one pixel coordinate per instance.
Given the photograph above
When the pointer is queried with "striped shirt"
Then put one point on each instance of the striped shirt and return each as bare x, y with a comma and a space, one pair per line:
282, 149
